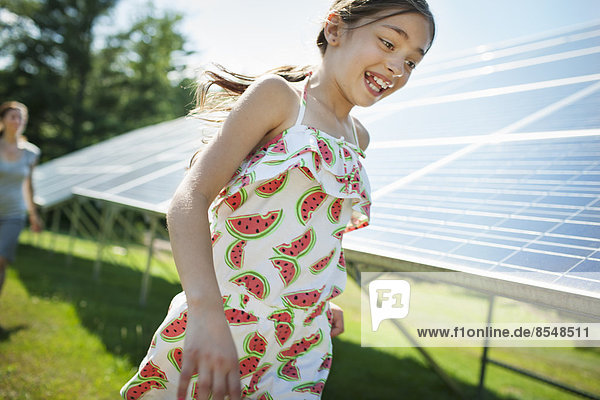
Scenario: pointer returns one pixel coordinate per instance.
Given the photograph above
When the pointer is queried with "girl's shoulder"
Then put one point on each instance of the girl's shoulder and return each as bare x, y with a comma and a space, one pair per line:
275, 89
274, 101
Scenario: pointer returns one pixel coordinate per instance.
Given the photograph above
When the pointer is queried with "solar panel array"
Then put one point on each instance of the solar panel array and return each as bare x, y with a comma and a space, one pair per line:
487, 162
490, 163
141, 168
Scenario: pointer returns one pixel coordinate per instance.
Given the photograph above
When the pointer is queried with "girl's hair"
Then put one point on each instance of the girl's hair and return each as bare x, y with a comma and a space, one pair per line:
12, 105
213, 106
351, 11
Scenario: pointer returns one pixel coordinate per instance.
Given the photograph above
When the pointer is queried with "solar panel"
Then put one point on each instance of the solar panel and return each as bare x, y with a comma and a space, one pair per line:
122, 162
492, 165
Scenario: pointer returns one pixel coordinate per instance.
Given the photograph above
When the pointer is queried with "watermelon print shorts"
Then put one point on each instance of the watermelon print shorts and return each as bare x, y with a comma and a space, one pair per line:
278, 360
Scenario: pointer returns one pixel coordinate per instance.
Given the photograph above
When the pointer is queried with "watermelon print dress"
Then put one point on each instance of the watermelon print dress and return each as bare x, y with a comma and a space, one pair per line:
276, 228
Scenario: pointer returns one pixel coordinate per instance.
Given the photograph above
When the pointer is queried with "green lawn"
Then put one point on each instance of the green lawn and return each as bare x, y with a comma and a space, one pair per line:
70, 337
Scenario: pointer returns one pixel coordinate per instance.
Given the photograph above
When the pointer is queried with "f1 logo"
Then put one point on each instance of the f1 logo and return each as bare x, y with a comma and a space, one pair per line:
388, 298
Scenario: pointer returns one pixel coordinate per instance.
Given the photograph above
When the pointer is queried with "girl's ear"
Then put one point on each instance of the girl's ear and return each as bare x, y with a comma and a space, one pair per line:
333, 29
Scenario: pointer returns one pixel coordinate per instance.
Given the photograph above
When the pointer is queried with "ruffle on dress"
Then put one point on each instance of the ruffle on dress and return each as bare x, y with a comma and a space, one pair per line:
334, 163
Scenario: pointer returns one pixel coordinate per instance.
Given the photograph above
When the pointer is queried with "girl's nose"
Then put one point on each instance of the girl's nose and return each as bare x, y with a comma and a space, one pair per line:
396, 67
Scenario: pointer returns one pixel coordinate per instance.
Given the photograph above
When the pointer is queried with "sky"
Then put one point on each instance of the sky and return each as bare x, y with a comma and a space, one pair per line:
253, 36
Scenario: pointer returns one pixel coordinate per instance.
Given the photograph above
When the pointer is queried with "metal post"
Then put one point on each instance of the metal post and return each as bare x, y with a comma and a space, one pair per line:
128, 237
54, 229
90, 220
354, 272
484, 355
106, 223
146, 277
73, 229
38, 237
543, 379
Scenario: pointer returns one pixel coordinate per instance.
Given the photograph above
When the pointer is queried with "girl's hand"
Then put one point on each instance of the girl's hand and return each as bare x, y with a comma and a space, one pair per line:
210, 353
35, 222
337, 323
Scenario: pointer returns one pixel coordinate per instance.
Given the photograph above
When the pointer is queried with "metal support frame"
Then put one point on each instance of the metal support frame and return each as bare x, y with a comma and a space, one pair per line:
90, 219
353, 270
75, 217
484, 354
107, 219
85, 217
129, 236
522, 371
586, 307
37, 241
146, 277
544, 379
54, 228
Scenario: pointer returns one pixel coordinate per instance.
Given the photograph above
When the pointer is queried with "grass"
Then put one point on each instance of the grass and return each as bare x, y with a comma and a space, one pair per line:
70, 337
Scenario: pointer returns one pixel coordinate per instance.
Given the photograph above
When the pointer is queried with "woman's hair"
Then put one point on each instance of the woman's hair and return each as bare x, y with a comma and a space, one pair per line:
212, 106
12, 105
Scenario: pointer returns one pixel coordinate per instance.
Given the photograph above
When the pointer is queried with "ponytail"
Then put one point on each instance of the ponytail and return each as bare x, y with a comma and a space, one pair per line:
213, 106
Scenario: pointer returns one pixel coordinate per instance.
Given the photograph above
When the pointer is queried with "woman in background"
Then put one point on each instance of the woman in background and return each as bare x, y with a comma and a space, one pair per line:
17, 160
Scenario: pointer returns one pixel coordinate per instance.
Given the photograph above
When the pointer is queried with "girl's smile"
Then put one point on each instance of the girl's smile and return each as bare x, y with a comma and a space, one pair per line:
377, 83
393, 47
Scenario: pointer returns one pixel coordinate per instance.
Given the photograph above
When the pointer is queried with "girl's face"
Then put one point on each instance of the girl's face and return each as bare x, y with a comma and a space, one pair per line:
373, 61
12, 120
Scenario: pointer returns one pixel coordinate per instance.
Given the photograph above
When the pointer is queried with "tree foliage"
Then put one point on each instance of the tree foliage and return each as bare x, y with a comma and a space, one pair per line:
81, 89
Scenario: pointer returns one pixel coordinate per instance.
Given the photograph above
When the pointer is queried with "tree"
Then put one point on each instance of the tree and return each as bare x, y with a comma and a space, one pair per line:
49, 44
78, 95
132, 85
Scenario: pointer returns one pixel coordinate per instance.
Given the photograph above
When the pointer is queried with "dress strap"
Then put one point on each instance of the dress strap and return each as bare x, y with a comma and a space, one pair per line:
302, 107
354, 131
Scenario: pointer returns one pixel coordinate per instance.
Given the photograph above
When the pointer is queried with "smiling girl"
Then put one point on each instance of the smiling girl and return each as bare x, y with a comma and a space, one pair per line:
257, 223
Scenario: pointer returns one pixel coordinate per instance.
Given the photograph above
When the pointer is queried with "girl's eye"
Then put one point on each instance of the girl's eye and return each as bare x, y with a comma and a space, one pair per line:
411, 64
387, 44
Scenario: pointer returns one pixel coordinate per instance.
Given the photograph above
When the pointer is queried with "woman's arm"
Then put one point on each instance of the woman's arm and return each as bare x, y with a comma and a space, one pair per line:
209, 349
34, 218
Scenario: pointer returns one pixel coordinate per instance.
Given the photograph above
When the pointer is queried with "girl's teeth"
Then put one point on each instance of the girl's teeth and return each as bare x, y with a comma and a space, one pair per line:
379, 81
374, 87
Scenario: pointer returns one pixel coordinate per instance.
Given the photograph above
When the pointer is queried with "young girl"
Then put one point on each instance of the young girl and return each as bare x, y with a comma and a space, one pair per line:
275, 190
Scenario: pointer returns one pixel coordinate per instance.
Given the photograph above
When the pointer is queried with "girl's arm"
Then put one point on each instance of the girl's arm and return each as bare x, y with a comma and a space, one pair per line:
34, 218
209, 349
337, 323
